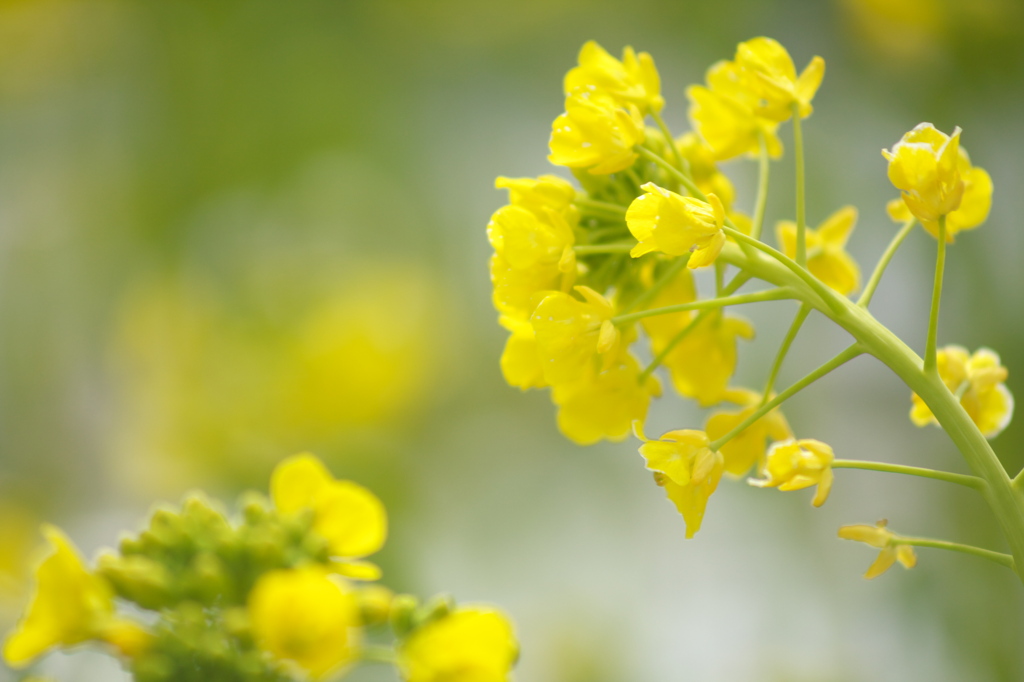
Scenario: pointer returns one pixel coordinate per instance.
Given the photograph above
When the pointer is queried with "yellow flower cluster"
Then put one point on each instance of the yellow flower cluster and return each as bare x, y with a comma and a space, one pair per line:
978, 380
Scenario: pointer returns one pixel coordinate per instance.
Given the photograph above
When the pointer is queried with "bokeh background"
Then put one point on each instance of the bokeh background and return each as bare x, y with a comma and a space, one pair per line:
235, 230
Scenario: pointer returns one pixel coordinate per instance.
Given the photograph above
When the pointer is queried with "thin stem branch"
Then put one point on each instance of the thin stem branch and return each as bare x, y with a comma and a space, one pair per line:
933, 319
371, 653
794, 329
883, 262
764, 166
585, 205
669, 140
679, 175
998, 557
839, 360
613, 247
972, 482
666, 278
712, 303
801, 218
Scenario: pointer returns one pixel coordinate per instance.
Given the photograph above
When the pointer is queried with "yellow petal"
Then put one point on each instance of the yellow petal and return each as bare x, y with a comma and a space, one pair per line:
886, 558
297, 481
351, 519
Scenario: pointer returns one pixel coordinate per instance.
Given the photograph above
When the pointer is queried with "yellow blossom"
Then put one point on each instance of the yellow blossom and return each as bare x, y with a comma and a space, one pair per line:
470, 644
978, 379
882, 538
537, 227
827, 258
703, 362
634, 80
799, 464
595, 133
725, 113
542, 193
604, 402
670, 223
924, 164
747, 448
703, 169
520, 364
571, 334
518, 291
71, 605
348, 516
772, 76
684, 464
662, 328
307, 616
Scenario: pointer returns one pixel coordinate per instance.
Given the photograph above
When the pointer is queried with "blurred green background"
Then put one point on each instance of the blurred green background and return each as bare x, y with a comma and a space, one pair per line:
235, 230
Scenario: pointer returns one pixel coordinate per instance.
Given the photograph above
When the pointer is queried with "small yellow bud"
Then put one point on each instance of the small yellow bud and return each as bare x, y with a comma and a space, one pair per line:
799, 464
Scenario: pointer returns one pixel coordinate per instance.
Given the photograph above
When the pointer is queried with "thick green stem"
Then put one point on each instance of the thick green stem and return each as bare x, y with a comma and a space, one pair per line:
711, 303
960, 479
763, 168
839, 360
930, 366
794, 329
613, 247
883, 262
998, 557
801, 218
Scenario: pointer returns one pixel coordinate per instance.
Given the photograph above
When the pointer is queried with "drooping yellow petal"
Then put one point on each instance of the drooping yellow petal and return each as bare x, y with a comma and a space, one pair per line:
351, 518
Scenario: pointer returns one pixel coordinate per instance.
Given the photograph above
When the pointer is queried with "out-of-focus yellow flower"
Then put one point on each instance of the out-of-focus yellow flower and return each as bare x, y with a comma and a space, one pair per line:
71, 605
517, 292
747, 448
571, 334
347, 515
924, 164
662, 328
725, 113
899, 33
882, 538
978, 379
537, 227
307, 616
634, 80
604, 402
595, 133
703, 170
685, 465
703, 362
520, 364
470, 644
772, 76
799, 464
670, 223
827, 258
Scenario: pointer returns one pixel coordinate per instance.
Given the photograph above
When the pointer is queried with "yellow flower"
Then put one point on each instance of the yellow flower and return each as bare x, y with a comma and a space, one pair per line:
604, 402
684, 464
799, 464
595, 133
748, 447
978, 379
725, 113
542, 193
772, 76
634, 80
470, 644
924, 164
537, 227
518, 291
71, 605
520, 364
703, 362
571, 334
670, 223
882, 538
703, 169
307, 616
827, 258
348, 516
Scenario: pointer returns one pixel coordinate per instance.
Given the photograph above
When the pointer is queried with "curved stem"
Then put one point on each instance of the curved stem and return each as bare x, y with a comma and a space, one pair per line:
933, 319
669, 140
585, 204
763, 168
794, 329
839, 360
679, 175
613, 247
960, 479
649, 294
998, 557
801, 218
883, 262
756, 297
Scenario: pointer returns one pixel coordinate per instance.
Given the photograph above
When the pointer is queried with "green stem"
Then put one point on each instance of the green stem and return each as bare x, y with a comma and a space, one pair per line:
998, 557
375, 653
682, 177
764, 166
585, 204
961, 479
669, 140
883, 262
839, 360
595, 236
794, 328
930, 366
613, 247
756, 297
801, 219
673, 270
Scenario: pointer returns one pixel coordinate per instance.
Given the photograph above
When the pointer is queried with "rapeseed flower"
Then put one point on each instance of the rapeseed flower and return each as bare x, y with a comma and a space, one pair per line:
596, 133
536, 228
470, 644
882, 538
634, 80
348, 516
925, 165
571, 334
662, 328
520, 364
685, 465
979, 381
799, 464
702, 364
670, 223
827, 258
306, 616
747, 448
518, 291
772, 76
